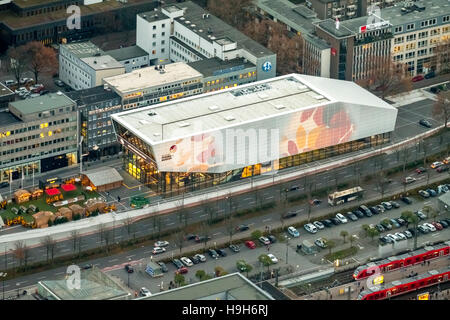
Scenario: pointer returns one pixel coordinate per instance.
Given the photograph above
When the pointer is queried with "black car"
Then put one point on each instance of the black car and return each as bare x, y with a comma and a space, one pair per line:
291, 214
365, 210
242, 227
234, 248
443, 223
129, 268
221, 252
395, 204
374, 210
401, 221
442, 169
425, 123
429, 75
177, 263
359, 214
87, 266
4, 184
199, 239
447, 220
272, 238
406, 200
413, 232
195, 260
382, 240
190, 237
327, 223
335, 221
379, 227
351, 216
213, 253
163, 266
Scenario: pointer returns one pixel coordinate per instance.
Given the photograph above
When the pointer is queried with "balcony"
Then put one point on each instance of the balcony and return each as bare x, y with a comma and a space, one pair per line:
351, 13
351, 7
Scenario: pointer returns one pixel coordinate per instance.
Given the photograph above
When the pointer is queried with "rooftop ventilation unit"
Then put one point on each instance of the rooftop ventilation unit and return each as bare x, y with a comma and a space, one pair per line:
157, 134
143, 122
213, 108
184, 124
279, 107
229, 118
182, 18
151, 113
302, 87
318, 97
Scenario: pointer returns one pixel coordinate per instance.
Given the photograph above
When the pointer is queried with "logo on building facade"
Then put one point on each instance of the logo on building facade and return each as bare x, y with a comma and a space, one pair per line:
267, 66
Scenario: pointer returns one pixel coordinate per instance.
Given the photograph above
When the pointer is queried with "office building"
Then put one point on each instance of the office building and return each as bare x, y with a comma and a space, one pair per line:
201, 141
131, 58
38, 134
6, 96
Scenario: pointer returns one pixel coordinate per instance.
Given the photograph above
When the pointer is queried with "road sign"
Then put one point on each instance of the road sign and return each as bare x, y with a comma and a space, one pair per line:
423, 296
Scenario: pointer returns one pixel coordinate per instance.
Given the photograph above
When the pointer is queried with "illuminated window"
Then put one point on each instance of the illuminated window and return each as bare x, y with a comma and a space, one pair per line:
42, 135
240, 76
50, 133
398, 49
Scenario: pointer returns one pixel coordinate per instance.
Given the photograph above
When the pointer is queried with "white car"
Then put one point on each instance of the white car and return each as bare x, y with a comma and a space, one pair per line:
393, 237
186, 261
319, 225
293, 232
429, 226
157, 250
400, 235
145, 292
201, 257
273, 258
310, 228
341, 218
321, 243
264, 240
436, 164
161, 243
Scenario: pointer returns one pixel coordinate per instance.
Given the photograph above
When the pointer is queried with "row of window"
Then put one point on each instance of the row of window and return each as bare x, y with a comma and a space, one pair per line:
42, 153
37, 145
192, 44
425, 23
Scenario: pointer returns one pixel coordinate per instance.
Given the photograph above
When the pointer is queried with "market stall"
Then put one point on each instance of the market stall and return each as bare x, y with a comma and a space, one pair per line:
68, 187
102, 179
21, 196
53, 195
36, 193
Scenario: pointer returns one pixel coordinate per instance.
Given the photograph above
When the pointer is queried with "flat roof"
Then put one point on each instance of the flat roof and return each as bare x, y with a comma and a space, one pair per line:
102, 62
149, 77
215, 66
189, 48
46, 102
248, 103
92, 95
127, 53
83, 49
152, 16
7, 118
219, 28
4, 90
228, 287
103, 176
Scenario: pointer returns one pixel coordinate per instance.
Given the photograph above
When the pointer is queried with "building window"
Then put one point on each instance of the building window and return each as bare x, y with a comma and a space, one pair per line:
399, 40
154, 35
163, 25
410, 26
154, 27
446, 19
398, 29
411, 37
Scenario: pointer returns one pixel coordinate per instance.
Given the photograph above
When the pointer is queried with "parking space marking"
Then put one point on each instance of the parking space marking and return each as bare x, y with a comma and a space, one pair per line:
265, 220
203, 215
216, 234
169, 224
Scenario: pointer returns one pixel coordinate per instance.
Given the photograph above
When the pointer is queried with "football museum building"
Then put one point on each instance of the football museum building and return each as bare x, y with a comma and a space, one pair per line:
254, 129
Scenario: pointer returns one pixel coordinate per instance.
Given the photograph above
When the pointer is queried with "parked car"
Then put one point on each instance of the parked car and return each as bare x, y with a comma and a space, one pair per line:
431, 192
430, 226
401, 221
194, 260
293, 188
442, 188
158, 250
436, 164
161, 243
446, 160
388, 239
380, 228
272, 258
382, 240
189, 237
293, 232
177, 263
424, 194
315, 202
144, 292
319, 225
213, 253
327, 223
250, 244
350, 215
25, 80
358, 213
310, 228
291, 214
242, 227
412, 231
380, 208
408, 234
182, 270
387, 205
272, 238
221, 252
406, 200
341, 218
386, 225
59, 83
335, 221
395, 204
264, 240
200, 257
392, 237
423, 229
430, 75
241, 266
394, 223
4, 184
43, 92
442, 169
421, 215
199, 239
129, 268
443, 223
234, 248
365, 210
409, 180
88, 266
9, 83
163, 266
321, 243
437, 225
400, 235
374, 210
421, 170
417, 78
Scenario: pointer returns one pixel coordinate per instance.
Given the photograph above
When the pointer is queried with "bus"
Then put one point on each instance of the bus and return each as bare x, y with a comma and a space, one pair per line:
340, 197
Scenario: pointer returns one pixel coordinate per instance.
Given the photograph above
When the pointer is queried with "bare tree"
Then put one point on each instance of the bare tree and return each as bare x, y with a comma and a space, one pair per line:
157, 224
309, 198
234, 12
21, 253
18, 61
205, 231
101, 229
49, 245
179, 239
42, 59
129, 226
230, 227
441, 58
441, 108
74, 236
382, 182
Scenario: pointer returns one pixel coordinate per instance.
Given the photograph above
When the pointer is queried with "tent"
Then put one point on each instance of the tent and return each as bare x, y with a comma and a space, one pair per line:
41, 218
52, 192
68, 187
22, 196
102, 179
65, 212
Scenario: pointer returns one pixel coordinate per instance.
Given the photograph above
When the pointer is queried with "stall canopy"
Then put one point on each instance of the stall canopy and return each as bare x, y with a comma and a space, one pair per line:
103, 179
52, 192
68, 187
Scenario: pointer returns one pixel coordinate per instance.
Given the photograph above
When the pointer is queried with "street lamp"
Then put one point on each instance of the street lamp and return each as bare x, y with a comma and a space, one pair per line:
81, 157
3, 275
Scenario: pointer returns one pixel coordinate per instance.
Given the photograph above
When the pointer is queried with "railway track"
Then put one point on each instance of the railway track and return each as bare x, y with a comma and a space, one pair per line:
335, 280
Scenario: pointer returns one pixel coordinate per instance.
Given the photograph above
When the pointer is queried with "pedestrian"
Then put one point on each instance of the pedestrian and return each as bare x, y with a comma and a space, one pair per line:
268, 247
118, 198
429, 263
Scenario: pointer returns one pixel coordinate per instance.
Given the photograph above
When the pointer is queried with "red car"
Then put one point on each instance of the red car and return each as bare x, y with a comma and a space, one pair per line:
421, 170
437, 225
182, 270
417, 78
250, 244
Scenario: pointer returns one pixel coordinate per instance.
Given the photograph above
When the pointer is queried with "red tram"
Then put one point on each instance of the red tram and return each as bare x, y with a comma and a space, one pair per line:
406, 285
404, 260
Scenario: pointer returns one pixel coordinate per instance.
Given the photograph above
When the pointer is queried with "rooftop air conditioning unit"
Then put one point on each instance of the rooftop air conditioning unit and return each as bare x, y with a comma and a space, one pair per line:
213, 108
184, 124
230, 118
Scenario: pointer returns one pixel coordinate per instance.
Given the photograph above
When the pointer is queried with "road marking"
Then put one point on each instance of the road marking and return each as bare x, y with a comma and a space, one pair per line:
248, 199
348, 176
203, 215
149, 251
250, 224
169, 224
113, 260
198, 211
268, 219
271, 197
56, 274
40, 278
215, 234
435, 235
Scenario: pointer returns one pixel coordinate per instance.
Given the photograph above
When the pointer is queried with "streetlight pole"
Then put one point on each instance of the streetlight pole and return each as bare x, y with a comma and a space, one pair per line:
80, 151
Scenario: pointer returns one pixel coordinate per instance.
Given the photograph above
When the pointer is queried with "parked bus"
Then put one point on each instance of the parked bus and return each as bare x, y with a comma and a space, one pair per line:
340, 197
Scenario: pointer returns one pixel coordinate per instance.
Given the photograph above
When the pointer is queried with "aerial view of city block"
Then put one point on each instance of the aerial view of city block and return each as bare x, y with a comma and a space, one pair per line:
249, 150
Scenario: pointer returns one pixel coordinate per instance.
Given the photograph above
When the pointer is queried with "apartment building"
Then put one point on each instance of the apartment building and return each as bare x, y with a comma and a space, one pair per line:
38, 134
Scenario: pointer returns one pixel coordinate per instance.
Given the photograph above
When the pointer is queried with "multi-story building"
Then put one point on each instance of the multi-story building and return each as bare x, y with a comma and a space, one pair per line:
186, 33
6, 96
299, 19
151, 85
83, 65
46, 20
217, 137
335, 9
131, 58
38, 134
95, 107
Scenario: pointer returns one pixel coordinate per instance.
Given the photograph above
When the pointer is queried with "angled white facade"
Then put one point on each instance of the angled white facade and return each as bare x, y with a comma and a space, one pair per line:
256, 123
